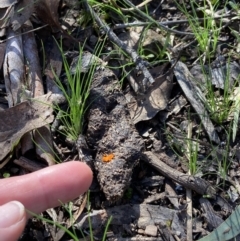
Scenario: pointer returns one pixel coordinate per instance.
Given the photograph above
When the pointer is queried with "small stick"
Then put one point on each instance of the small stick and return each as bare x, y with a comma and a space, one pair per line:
138, 6
153, 21
28, 164
189, 191
140, 63
194, 183
169, 23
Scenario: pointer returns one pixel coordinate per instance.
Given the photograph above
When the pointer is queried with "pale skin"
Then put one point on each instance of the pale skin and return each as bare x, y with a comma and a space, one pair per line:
39, 191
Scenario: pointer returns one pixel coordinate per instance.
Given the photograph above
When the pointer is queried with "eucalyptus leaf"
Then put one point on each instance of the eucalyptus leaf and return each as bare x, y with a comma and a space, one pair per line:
227, 230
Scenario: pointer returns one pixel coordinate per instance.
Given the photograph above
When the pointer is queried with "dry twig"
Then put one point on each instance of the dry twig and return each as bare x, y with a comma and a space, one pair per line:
196, 184
140, 63
189, 191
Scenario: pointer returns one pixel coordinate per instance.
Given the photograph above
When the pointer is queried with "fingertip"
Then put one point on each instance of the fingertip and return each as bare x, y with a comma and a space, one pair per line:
63, 182
13, 219
84, 169
85, 174
44, 189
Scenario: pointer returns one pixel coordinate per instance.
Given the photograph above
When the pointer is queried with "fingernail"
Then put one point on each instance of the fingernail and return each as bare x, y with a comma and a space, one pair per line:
11, 213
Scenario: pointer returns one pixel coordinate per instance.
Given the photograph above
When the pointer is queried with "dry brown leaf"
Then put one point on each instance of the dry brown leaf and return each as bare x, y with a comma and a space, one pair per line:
22, 118
130, 38
7, 3
14, 75
2, 53
13, 69
57, 216
34, 78
44, 146
22, 12
54, 63
47, 11
5, 15
157, 97
42, 136
171, 194
195, 97
78, 207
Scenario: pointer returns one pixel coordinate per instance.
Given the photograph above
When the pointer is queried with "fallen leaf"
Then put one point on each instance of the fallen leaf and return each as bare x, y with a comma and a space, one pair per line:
22, 118
145, 107
13, 69
195, 97
2, 53
219, 75
229, 229
5, 15
47, 11
22, 12
7, 3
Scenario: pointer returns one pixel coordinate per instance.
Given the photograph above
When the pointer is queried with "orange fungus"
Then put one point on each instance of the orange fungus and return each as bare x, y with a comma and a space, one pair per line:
107, 157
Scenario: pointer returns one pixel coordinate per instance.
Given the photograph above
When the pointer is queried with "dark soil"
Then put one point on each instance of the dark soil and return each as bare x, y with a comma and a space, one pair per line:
141, 164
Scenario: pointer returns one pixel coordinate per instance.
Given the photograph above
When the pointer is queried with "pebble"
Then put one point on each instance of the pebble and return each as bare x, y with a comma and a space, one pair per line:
151, 230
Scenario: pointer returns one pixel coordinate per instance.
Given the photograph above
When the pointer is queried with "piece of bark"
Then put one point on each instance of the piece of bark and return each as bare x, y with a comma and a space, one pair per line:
22, 118
33, 79
226, 207
217, 73
171, 194
42, 136
30, 50
196, 184
13, 69
6, 12
111, 132
14, 76
227, 230
153, 181
54, 63
7, 3
166, 233
155, 197
28, 164
213, 220
2, 53
195, 97
22, 12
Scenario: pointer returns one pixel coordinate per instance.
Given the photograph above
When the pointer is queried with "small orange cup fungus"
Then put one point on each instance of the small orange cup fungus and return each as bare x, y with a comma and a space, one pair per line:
108, 157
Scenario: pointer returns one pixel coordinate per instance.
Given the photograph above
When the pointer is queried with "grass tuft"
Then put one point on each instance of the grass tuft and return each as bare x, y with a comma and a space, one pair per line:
76, 90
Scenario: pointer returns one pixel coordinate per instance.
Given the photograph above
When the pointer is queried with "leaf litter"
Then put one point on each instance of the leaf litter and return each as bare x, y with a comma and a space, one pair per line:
137, 118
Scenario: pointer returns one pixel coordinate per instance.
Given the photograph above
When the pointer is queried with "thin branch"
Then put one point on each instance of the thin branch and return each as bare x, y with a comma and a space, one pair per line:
189, 191
170, 23
194, 183
17, 35
131, 9
145, 16
139, 62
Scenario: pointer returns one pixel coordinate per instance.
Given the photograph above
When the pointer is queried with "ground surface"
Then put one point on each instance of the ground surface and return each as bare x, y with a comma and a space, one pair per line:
161, 129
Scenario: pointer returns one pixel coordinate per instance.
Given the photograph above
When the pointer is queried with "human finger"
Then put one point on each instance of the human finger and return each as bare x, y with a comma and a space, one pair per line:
48, 187
13, 219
